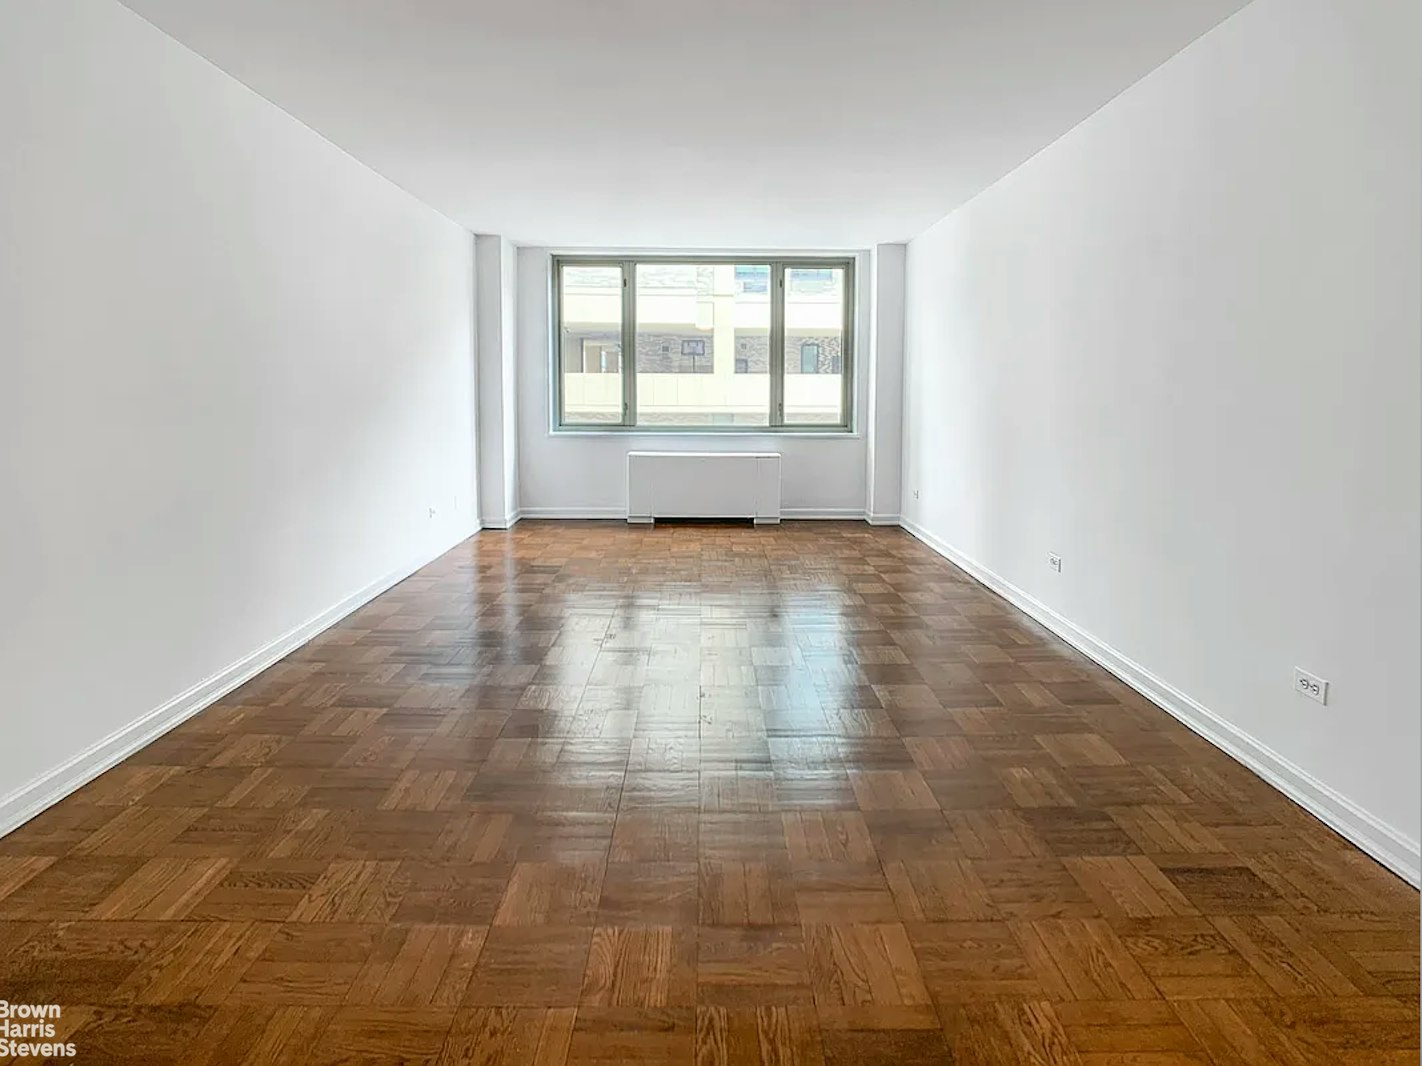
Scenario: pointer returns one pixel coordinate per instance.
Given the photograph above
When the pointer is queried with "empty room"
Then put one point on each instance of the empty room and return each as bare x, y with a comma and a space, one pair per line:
723, 534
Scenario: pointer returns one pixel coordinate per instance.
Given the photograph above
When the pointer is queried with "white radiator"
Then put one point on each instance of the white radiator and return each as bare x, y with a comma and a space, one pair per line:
703, 485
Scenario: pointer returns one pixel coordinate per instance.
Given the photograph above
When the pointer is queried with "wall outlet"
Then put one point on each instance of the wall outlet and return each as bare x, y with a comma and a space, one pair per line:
915, 494
432, 512
1315, 688
1054, 561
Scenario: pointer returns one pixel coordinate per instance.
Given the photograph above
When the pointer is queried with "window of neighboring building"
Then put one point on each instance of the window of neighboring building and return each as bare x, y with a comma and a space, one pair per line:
602, 357
704, 342
752, 279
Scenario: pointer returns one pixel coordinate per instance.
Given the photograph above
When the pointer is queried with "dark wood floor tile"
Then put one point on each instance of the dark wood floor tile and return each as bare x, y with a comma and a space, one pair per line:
559, 836
875, 753
16, 870
159, 1035
658, 789
449, 893
1002, 1033
832, 836
161, 890
813, 790
226, 832
200, 963
1069, 831
84, 962
352, 891
509, 1036
892, 790
307, 964
745, 966
365, 1036
753, 837
551, 893
65, 888
893, 1047
972, 788
973, 961
1223, 887
385, 835
613, 1036
1144, 1031
1128, 886
738, 892
758, 1036
659, 835
1189, 958
866, 976
650, 893
259, 890
530, 966
1082, 958
939, 891
139, 830
919, 835
641, 966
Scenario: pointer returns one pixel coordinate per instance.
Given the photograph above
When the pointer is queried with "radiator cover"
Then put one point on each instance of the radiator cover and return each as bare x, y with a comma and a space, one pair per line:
703, 485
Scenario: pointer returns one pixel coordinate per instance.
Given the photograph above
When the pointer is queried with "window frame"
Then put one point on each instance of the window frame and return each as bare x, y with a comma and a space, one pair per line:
776, 423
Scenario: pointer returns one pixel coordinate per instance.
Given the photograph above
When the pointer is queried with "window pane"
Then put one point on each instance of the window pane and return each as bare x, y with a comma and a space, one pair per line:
590, 343
703, 351
814, 345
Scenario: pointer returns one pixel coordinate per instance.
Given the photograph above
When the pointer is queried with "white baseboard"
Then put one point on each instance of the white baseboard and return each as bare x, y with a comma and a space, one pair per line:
1391, 847
49, 788
882, 519
507, 521
574, 513
620, 513
831, 514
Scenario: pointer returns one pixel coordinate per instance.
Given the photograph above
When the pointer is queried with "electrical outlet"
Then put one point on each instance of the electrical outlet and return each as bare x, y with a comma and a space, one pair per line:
915, 494
1054, 561
1315, 688
432, 512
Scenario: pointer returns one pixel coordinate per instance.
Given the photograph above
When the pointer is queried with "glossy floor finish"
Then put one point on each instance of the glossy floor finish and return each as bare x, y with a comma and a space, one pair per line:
585, 793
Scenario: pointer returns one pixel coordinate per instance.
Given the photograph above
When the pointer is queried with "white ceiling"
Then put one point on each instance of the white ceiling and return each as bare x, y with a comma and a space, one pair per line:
661, 123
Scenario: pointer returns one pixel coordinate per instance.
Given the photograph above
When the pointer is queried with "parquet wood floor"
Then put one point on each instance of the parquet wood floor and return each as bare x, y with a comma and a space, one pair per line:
714, 795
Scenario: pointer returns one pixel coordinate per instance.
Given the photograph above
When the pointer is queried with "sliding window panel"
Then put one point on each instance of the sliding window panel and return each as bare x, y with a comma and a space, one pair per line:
816, 346
590, 362
702, 344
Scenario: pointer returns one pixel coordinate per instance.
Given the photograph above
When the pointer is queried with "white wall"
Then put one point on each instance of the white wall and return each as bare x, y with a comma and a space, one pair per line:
572, 475
498, 413
237, 373
886, 385
1180, 347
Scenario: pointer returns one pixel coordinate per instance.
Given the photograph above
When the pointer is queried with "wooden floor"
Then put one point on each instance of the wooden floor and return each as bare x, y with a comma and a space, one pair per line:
584, 793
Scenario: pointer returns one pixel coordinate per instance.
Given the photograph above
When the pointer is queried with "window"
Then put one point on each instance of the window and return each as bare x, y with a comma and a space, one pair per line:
590, 309
601, 357
815, 331
703, 343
